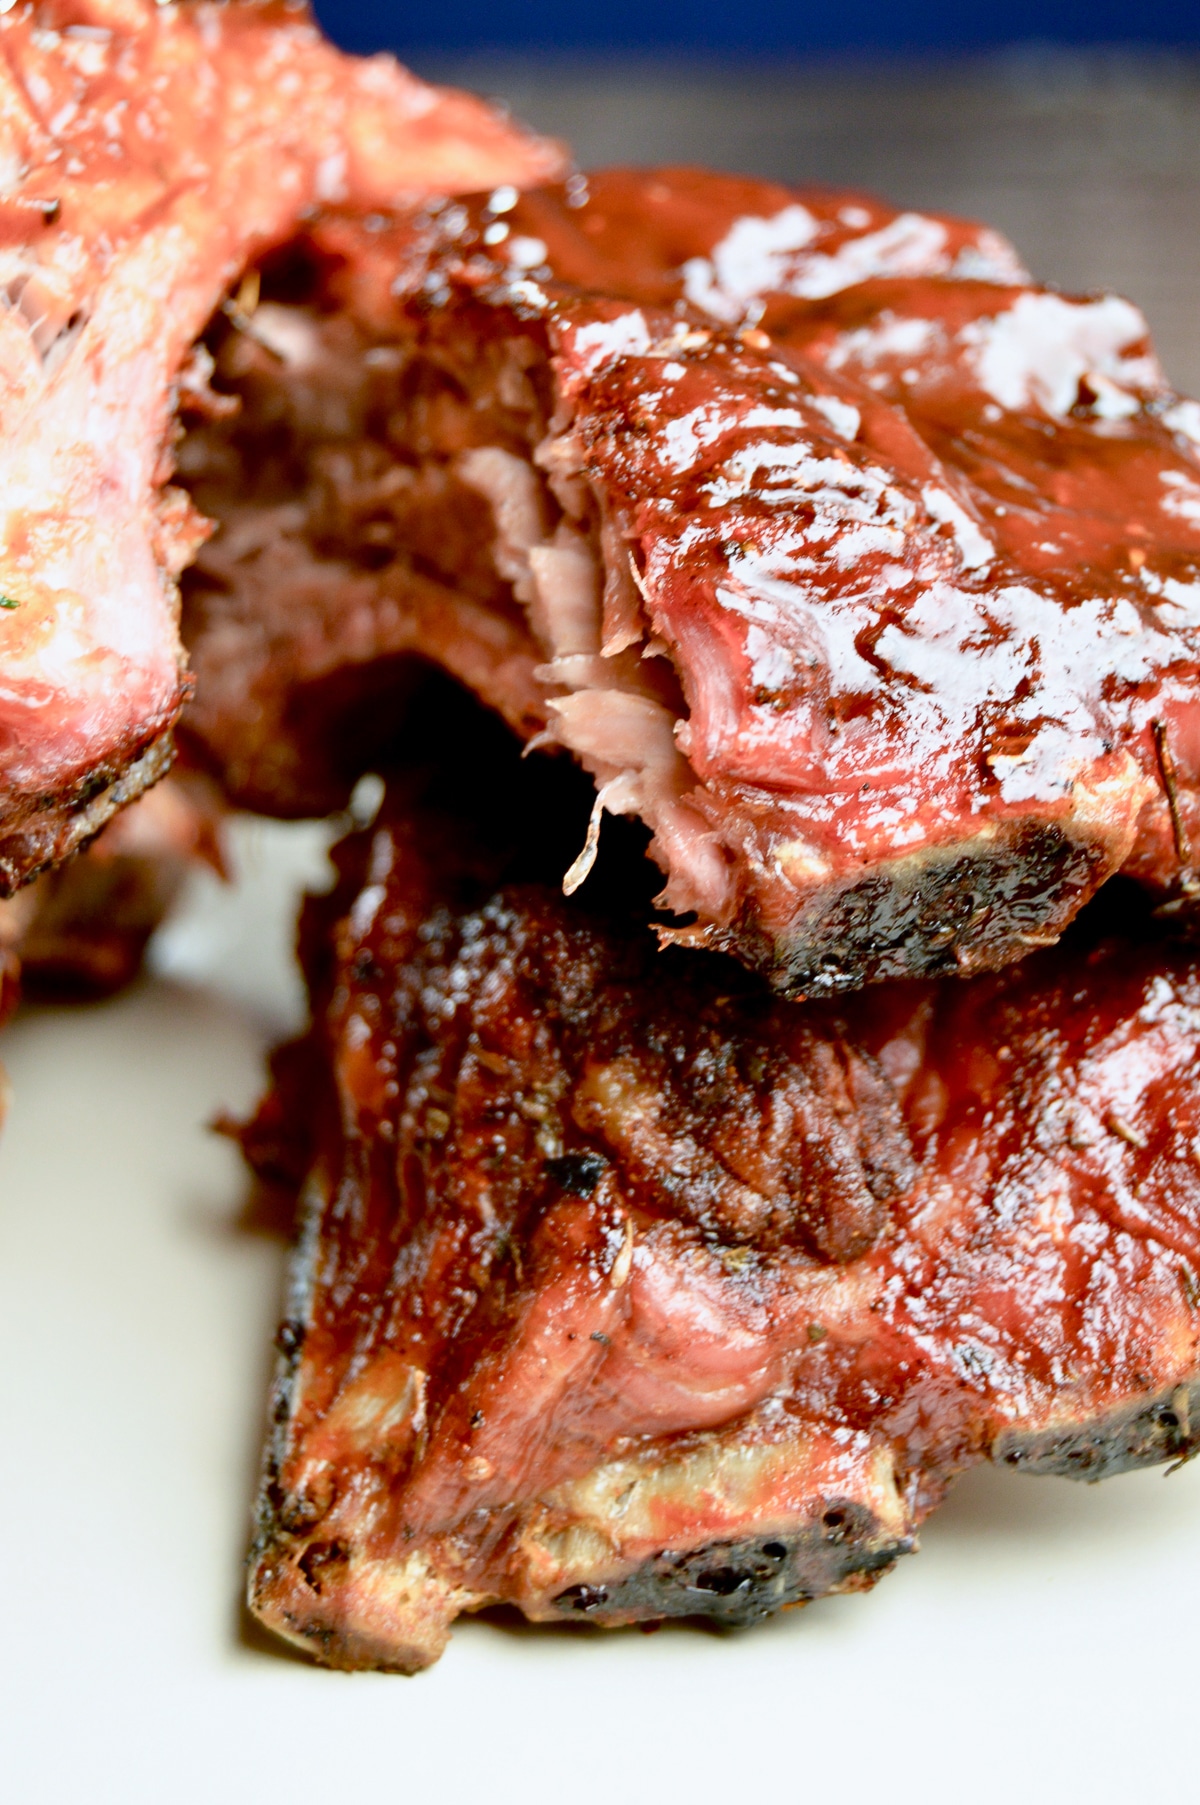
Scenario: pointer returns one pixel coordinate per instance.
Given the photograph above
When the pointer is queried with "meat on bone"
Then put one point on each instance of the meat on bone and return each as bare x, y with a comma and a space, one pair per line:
858, 567
149, 153
624, 1291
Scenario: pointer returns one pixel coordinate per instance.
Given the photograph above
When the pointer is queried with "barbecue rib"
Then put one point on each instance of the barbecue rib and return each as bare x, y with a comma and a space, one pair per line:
625, 1291
862, 570
148, 153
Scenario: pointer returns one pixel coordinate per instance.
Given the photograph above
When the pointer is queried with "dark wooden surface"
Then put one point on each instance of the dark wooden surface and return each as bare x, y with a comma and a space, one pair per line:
1089, 162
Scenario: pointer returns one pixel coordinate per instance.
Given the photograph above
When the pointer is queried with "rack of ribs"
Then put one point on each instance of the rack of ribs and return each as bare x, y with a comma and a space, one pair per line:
149, 154
625, 1290
861, 569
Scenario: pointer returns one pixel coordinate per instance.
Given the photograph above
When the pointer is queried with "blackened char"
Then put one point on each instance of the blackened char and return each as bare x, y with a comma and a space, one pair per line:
740, 1583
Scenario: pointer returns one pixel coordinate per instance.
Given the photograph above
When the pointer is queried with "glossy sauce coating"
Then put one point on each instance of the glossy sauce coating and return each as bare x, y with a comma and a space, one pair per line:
920, 540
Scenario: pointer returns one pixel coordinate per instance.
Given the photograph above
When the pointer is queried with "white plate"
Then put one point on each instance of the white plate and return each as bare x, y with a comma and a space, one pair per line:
1041, 1647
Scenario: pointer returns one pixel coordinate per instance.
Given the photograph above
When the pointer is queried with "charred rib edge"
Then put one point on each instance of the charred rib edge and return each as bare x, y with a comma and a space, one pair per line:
740, 1583
949, 911
1142, 1434
55, 828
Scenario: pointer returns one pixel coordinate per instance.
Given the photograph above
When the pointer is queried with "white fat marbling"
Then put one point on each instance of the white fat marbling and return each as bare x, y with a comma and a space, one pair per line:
1183, 496
1037, 351
762, 256
843, 416
974, 547
751, 260
606, 340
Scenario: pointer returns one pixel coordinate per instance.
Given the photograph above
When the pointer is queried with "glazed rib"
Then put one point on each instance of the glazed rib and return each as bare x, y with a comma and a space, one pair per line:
860, 569
624, 1291
150, 153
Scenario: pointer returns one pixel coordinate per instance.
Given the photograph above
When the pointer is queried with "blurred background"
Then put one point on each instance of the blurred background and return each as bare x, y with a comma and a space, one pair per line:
1072, 125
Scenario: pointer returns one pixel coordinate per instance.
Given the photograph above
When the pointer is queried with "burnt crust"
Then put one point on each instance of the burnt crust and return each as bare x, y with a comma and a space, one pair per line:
276, 1516
739, 1583
56, 825
953, 911
1143, 1434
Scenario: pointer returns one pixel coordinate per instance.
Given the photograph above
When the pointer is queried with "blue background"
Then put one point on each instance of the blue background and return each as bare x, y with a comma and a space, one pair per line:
791, 27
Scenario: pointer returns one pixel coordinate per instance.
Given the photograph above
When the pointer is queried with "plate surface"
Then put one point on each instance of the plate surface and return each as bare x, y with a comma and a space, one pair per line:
1040, 1646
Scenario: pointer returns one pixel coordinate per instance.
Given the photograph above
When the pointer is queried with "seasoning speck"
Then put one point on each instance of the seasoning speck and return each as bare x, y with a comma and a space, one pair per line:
1121, 1128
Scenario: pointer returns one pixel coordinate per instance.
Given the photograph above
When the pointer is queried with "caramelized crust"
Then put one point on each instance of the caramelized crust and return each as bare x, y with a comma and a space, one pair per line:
624, 1291
150, 152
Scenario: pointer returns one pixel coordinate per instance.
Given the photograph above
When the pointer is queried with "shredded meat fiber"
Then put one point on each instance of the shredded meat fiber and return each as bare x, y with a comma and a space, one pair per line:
626, 1291
148, 154
862, 570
